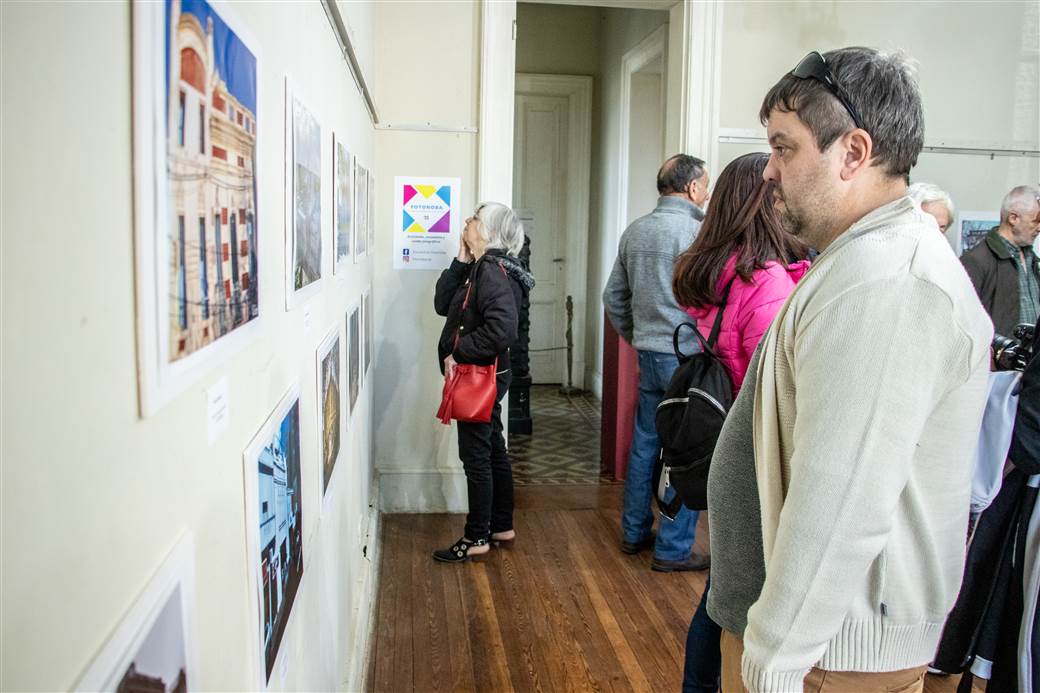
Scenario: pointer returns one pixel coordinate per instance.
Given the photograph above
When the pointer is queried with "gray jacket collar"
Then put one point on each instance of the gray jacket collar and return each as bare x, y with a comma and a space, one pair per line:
675, 204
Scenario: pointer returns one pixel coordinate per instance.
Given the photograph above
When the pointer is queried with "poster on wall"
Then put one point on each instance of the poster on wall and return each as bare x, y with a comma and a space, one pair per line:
361, 208
274, 523
426, 222
303, 185
974, 226
367, 318
154, 647
329, 408
195, 192
354, 354
343, 186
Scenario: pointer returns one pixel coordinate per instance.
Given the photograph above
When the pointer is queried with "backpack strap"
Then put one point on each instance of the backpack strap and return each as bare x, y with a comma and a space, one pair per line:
717, 327
709, 344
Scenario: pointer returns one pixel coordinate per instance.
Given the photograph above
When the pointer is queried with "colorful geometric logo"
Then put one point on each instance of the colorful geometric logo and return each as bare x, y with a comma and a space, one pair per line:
426, 209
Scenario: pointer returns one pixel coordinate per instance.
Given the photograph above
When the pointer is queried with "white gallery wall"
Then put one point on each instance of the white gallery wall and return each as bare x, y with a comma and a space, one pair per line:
428, 114
93, 496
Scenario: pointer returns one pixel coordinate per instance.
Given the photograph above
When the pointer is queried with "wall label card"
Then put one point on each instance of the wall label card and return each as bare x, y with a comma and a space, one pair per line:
217, 411
427, 222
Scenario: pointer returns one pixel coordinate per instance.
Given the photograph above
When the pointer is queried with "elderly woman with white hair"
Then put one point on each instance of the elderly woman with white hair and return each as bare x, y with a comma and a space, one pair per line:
479, 332
935, 201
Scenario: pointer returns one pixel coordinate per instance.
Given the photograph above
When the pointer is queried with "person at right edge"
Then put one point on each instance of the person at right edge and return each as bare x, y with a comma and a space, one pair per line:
1003, 267
867, 394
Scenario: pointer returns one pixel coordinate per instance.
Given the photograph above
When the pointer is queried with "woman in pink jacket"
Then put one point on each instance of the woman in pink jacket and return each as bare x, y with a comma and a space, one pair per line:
741, 244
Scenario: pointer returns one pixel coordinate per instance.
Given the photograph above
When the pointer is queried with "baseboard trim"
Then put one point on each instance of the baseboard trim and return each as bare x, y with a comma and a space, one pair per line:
422, 490
359, 660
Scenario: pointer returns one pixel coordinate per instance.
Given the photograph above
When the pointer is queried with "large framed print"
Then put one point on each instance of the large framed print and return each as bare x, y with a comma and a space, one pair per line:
274, 524
343, 187
155, 643
330, 407
196, 225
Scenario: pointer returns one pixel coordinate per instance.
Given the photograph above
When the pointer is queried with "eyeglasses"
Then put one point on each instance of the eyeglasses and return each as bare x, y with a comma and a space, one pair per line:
814, 66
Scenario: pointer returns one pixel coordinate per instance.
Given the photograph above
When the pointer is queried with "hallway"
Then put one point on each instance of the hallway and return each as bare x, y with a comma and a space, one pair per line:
563, 609
564, 447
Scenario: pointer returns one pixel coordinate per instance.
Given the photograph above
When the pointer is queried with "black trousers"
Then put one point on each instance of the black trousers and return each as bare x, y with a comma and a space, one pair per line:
489, 473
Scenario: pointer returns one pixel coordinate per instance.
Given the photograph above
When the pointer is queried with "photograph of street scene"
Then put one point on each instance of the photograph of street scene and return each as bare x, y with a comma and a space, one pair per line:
306, 197
280, 524
354, 355
160, 663
344, 194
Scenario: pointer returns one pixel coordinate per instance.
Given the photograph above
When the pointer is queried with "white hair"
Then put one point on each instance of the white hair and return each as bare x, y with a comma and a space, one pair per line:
1020, 200
500, 227
925, 193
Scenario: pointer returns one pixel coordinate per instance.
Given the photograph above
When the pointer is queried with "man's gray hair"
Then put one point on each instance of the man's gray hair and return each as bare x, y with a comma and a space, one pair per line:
500, 227
925, 193
1020, 201
883, 89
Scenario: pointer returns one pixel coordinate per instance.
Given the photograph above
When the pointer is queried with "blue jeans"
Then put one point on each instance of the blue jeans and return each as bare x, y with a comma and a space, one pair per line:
703, 665
674, 537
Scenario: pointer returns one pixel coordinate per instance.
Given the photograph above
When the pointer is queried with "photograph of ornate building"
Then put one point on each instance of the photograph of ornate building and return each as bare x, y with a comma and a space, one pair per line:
329, 401
211, 147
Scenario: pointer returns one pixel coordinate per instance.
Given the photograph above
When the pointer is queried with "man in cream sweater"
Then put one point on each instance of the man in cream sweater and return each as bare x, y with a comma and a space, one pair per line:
868, 398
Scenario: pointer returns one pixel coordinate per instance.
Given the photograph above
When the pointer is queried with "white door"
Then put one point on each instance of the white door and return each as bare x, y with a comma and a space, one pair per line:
540, 197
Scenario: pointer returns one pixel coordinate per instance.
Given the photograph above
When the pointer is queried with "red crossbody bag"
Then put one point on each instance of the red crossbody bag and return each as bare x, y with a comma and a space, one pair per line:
470, 393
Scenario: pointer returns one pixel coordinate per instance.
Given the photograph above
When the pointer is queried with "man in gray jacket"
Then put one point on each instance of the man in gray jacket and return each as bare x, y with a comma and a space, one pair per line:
639, 302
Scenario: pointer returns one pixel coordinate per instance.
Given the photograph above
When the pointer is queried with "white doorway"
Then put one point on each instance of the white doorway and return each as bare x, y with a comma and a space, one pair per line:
551, 162
642, 131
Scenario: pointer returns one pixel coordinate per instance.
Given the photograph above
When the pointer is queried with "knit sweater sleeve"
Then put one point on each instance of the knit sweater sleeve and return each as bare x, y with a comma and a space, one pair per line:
868, 369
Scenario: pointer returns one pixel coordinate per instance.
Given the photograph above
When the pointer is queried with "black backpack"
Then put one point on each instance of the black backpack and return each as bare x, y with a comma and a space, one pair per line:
689, 420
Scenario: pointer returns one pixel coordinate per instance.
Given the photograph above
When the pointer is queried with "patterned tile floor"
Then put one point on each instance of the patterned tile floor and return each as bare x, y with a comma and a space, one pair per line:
564, 448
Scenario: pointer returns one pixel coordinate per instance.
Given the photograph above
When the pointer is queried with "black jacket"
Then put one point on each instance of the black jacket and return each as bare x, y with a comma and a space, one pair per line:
995, 277
489, 326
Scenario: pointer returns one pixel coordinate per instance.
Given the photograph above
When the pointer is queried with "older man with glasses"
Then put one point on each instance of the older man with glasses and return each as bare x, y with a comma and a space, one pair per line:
867, 399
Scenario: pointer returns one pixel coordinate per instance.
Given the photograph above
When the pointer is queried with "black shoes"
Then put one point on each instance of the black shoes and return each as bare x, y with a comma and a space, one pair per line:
462, 550
632, 548
695, 561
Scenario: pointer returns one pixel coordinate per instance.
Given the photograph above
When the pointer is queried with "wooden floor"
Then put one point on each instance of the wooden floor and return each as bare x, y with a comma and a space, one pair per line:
563, 610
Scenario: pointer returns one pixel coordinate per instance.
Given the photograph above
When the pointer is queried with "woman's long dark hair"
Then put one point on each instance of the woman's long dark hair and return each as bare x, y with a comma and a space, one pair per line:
741, 219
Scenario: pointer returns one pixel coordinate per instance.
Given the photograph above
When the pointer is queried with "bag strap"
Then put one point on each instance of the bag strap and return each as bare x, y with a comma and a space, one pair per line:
709, 344
469, 288
717, 327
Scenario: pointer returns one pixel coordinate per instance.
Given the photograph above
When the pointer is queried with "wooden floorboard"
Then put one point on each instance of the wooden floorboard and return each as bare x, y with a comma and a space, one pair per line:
561, 610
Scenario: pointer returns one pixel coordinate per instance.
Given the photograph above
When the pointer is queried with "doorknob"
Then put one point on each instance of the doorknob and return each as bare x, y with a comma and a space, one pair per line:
559, 259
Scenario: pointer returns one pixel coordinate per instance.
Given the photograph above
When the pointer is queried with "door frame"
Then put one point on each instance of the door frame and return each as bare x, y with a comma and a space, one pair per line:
578, 90
654, 46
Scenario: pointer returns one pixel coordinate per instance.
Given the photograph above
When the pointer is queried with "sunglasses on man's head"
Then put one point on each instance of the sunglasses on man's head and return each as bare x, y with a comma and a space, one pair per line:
814, 66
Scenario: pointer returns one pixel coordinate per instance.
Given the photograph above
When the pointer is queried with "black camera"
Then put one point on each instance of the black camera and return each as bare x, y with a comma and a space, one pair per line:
1014, 353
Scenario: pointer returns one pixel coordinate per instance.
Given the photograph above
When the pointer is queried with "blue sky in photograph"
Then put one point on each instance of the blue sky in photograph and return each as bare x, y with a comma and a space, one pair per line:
237, 66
